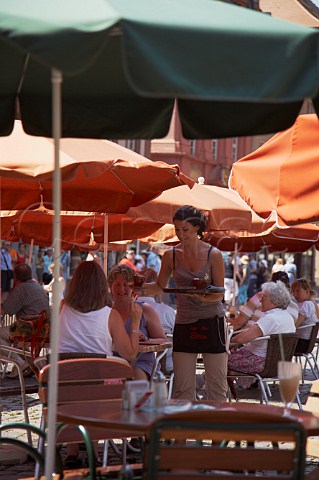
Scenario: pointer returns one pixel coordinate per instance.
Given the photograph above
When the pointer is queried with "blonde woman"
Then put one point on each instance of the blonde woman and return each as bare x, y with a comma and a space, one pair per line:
308, 311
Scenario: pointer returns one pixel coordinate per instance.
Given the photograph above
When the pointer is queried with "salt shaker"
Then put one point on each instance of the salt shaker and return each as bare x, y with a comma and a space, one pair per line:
160, 389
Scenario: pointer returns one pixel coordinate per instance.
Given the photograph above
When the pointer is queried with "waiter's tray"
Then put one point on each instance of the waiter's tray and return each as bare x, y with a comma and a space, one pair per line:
197, 291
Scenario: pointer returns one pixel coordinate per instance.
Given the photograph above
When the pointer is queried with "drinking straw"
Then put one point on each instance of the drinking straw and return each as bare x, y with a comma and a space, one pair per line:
281, 346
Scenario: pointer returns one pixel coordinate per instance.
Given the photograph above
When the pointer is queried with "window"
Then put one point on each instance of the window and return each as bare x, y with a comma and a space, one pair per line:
214, 148
131, 144
192, 147
235, 148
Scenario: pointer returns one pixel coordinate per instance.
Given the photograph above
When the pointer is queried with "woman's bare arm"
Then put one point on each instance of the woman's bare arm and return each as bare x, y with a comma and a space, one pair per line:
154, 326
126, 345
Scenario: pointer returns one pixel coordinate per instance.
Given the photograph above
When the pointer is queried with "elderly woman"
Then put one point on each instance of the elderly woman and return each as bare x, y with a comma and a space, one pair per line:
252, 310
251, 357
120, 280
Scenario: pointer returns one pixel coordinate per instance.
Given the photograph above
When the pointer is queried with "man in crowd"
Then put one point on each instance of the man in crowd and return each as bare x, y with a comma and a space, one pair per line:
6, 270
27, 298
153, 259
129, 259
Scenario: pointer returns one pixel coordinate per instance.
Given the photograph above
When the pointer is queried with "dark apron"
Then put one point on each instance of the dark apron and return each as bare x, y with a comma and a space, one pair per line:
206, 335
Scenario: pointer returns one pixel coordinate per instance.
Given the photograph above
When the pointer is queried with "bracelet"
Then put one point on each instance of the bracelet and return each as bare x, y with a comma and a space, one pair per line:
134, 331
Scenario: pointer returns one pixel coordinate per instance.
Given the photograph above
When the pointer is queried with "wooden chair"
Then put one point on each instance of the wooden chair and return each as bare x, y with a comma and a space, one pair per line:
240, 449
83, 380
309, 356
273, 356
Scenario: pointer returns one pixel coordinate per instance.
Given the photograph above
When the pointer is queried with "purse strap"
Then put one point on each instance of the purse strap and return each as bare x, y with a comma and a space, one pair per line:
4, 258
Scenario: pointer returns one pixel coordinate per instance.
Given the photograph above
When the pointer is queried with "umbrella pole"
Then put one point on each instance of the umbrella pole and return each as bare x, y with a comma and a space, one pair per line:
31, 251
106, 240
233, 300
56, 80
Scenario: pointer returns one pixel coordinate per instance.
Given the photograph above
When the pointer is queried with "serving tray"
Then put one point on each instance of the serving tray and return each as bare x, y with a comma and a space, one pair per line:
196, 291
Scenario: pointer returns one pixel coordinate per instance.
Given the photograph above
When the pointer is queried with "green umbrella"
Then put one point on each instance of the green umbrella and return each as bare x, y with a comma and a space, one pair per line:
232, 71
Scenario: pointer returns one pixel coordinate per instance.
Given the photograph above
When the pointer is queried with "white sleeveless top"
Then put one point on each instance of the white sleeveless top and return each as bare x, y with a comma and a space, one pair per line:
85, 332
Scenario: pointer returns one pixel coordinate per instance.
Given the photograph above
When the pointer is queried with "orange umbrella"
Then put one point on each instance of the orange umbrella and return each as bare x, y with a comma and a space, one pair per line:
225, 209
96, 175
282, 175
293, 239
76, 227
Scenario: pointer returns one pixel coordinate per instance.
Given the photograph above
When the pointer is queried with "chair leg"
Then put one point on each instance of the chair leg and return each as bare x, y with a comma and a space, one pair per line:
232, 388
170, 386
315, 364
298, 400
263, 393
40, 448
105, 451
307, 360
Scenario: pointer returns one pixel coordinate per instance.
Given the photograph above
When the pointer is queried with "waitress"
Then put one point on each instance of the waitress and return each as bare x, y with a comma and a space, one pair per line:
200, 324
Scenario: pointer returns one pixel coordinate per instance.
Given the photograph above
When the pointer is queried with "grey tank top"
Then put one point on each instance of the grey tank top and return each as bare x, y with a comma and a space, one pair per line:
189, 308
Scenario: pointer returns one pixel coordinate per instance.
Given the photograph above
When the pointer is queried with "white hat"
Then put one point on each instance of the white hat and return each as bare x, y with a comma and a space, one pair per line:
264, 262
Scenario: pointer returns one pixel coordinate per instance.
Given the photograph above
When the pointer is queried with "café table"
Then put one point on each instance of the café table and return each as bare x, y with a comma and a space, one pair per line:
109, 414
159, 347
154, 346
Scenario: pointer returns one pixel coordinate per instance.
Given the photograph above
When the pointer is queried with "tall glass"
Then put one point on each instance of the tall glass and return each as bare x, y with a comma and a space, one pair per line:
289, 375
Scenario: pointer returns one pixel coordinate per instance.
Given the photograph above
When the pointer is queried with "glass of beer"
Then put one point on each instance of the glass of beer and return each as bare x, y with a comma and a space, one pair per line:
289, 375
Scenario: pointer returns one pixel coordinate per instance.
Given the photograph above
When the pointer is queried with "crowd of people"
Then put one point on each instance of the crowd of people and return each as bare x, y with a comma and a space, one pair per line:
110, 315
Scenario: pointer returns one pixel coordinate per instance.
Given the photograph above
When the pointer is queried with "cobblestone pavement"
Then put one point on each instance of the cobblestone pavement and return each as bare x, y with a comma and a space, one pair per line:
12, 412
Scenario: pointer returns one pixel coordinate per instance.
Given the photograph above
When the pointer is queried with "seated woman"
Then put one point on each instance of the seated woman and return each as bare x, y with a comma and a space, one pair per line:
120, 280
308, 311
89, 325
252, 310
251, 357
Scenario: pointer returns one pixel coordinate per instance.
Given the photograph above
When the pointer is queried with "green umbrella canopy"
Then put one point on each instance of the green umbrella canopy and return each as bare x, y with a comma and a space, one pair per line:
232, 71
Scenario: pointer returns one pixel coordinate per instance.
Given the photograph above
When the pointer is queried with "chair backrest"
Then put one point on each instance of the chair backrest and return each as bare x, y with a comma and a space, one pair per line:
289, 341
31, 331
312, 339
83, 380
210, 433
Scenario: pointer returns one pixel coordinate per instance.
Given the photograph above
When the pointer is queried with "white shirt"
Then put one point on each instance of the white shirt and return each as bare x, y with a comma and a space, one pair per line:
308, 310
273, 321
85, 332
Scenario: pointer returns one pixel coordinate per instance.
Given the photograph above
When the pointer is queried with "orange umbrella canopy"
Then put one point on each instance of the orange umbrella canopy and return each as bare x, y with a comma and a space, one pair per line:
282, 176
260, 235
293, 239
76, 227
97, 175
224, 208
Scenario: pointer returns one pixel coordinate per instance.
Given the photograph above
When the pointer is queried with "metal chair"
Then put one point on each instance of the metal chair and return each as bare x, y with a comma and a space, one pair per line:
308, 355
273, 356
244, 446
29, 450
